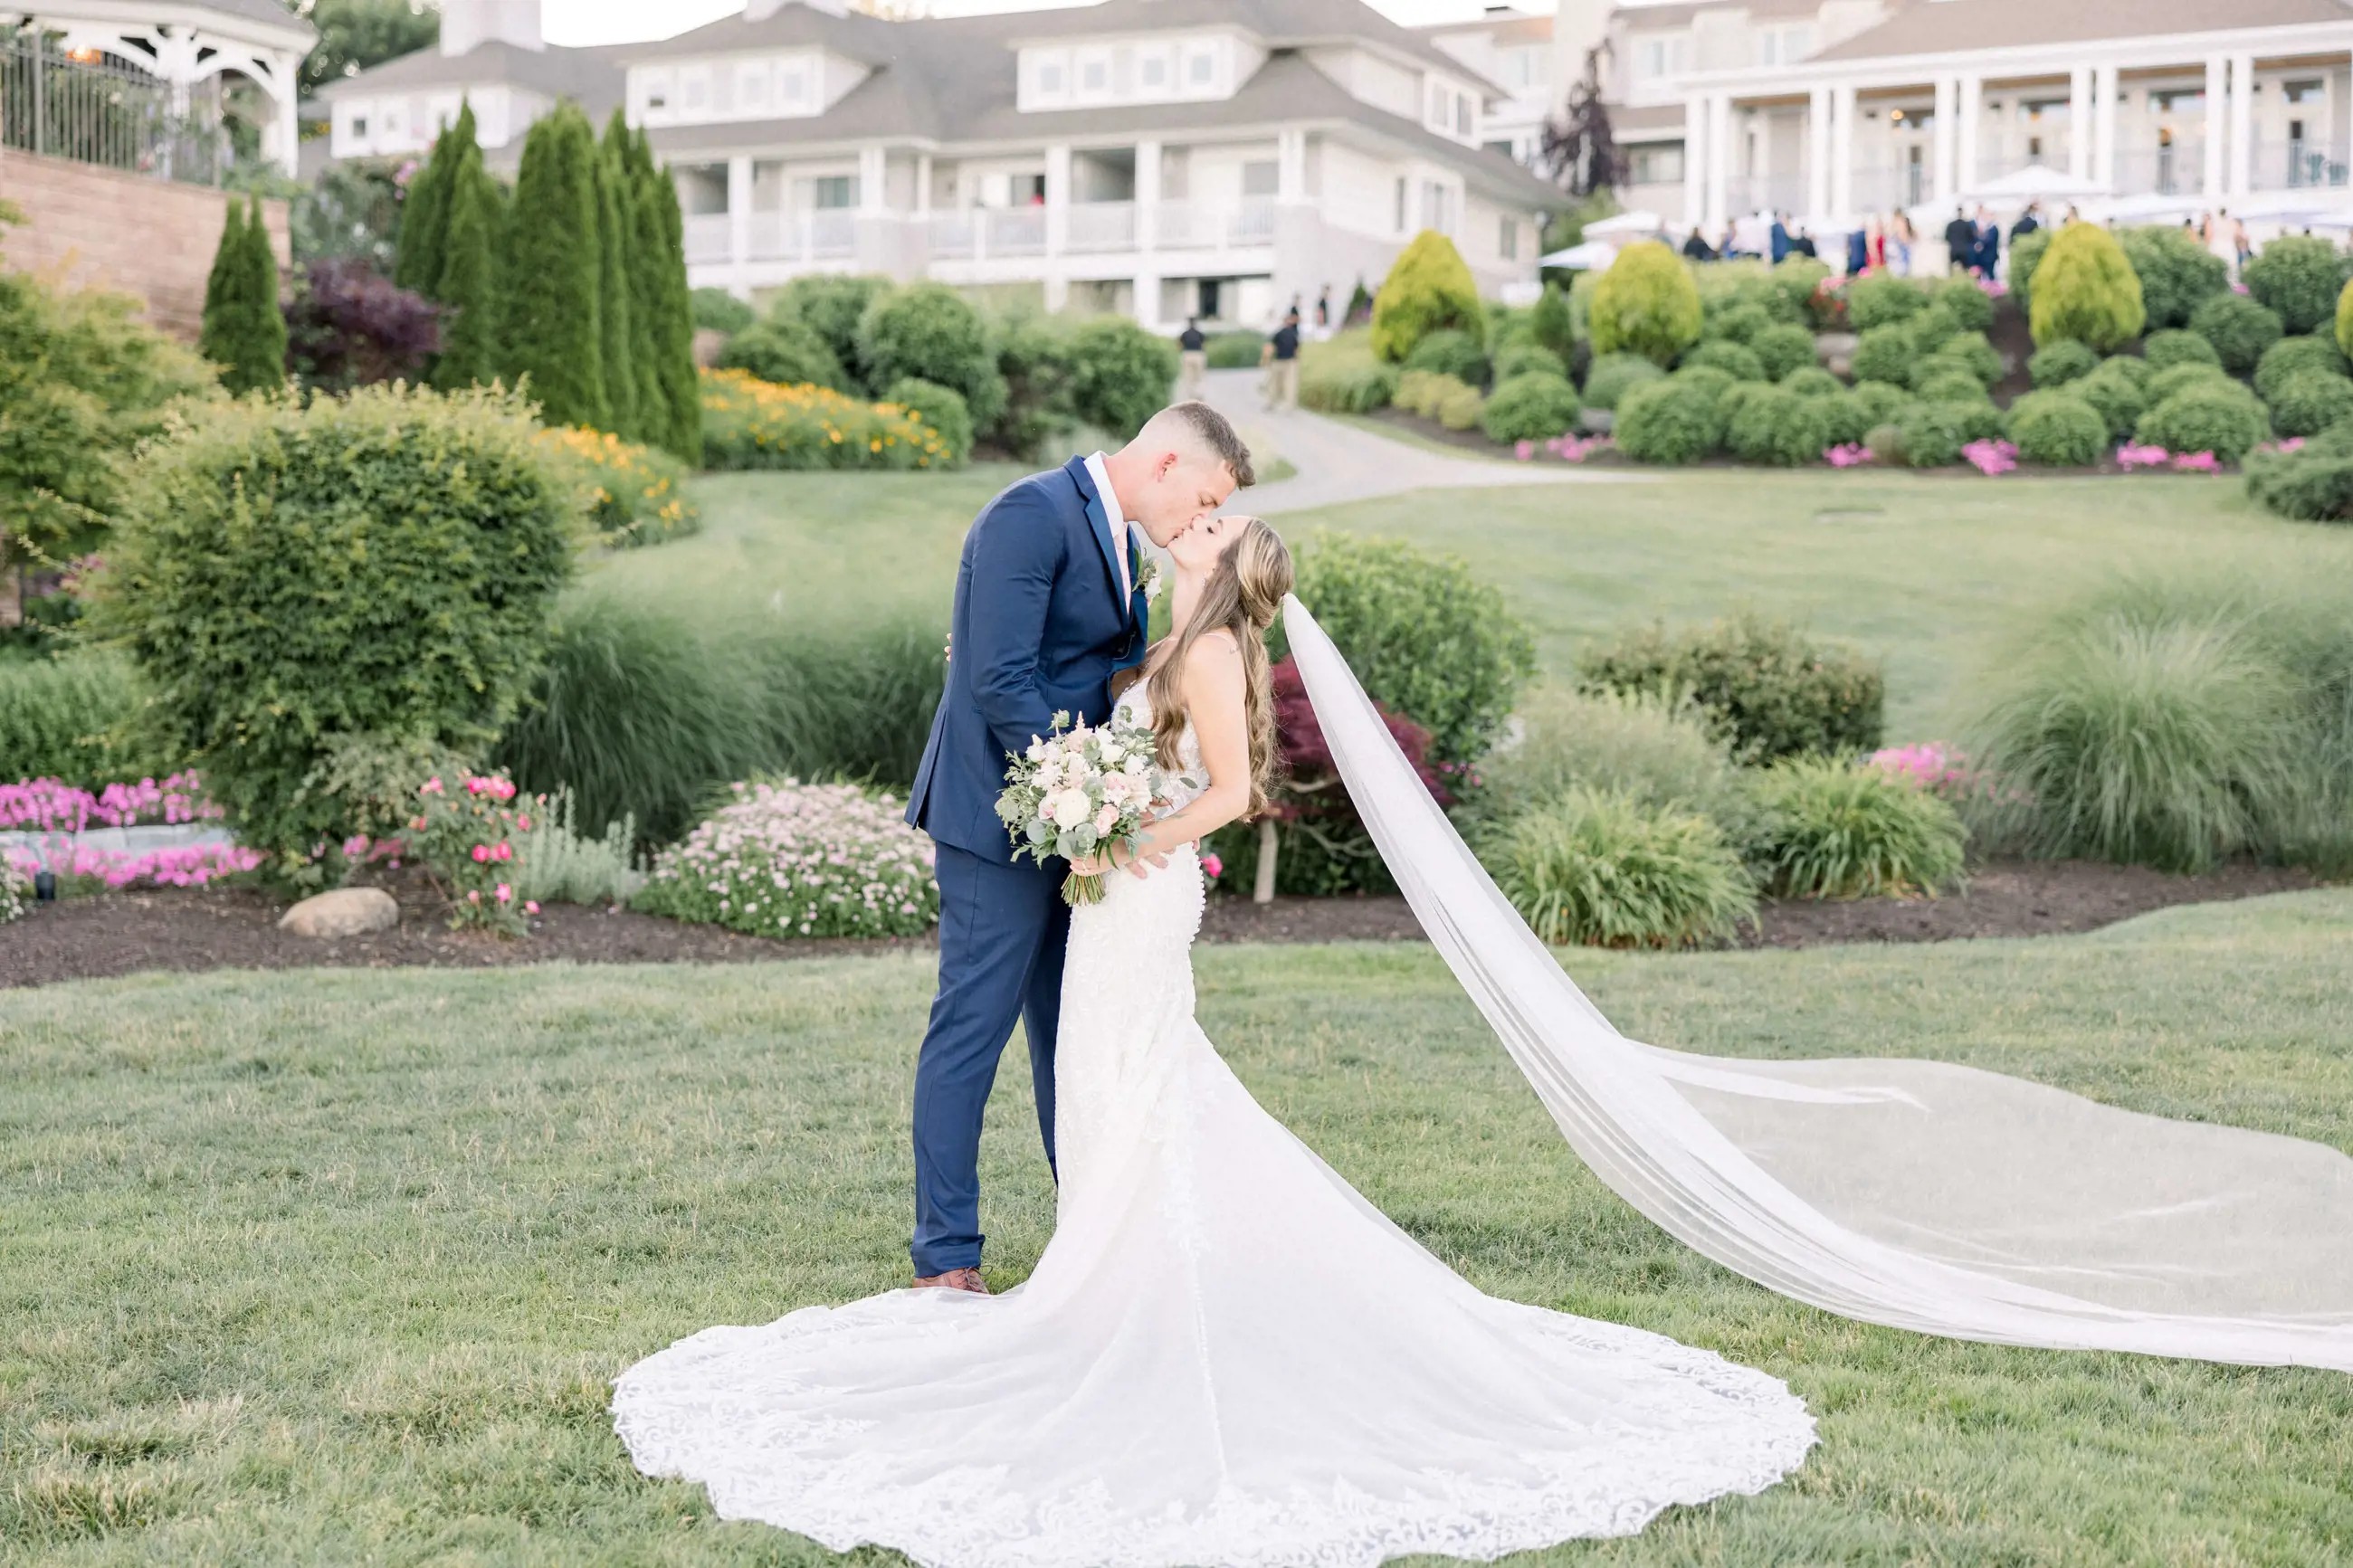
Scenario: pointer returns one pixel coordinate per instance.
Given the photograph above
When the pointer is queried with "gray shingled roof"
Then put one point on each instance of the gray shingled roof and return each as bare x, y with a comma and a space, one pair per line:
1957, 24
270, 11
1644, 18
591, 78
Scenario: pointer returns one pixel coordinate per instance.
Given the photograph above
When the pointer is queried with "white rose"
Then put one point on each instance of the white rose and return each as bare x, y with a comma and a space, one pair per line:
1037, 752
1138, 765
1112, 753
1069, 808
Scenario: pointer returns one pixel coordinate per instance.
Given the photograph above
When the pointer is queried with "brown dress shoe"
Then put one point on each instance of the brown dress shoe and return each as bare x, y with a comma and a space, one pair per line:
953, 1279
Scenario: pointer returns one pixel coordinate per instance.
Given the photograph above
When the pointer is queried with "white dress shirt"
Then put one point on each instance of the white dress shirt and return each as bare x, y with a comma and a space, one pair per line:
1118, 519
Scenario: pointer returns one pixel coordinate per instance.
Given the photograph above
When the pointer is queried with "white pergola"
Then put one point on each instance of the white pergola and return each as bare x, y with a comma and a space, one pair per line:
184, 42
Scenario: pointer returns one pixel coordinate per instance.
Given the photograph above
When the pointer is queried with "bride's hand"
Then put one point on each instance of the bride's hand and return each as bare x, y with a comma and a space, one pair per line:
1138, 860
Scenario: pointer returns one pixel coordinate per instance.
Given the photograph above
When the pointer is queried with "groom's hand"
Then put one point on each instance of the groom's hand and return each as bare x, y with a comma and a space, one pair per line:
1142, 859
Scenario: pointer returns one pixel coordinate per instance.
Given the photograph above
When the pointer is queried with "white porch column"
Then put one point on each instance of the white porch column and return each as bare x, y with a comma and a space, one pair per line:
1695, 162
2217, 90
1843, 148
286, 91
1057, 224
873, 182
739, 218
2105, 93
1291, 167
1719, 159
1971, 92
923, 185
1941, 162
1817, 154
2243, 125
2079, 122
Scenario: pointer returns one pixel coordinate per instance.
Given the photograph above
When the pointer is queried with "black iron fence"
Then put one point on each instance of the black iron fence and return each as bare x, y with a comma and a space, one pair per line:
98, 110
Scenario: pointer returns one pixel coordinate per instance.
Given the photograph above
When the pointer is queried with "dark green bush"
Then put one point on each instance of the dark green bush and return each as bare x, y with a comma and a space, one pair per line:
1425, 637
1768, 692
2224, 420
2311, 403
1450, 352
1881, 299
1837, 419
1811, 381
2181, 377
2058, 428
1672, 420
1827, 828
1119, 374
941, 407
717, 310
2313, 484
2298, 277
2114, 393
1947, 383
2176, 274
1771, 425
1646, 303
835, 305
1606, 871
1537, 406
2025, 255
1738, 322
1931, 434
1551, 323
1341, 376
2240, 328
2063, 362
71, 719
929, 331
1783, 349
284, 576
1971, 307
1797, 280
2178, 345
1735, 361
1609, 377
1428, 288
1881, 400
1233, 351
1884, 353
2139, 372
2085, 290
787, 353
2290, 358
1519, 359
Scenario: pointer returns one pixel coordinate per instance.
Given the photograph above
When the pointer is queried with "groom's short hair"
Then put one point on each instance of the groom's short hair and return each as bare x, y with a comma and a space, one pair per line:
1216, 434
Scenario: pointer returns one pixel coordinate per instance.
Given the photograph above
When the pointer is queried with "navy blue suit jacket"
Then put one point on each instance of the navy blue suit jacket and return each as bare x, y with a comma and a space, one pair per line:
1038, 628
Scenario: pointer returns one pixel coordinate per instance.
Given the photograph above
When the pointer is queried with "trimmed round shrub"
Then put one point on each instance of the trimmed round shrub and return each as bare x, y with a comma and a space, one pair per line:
2176, 274
1931, 434
1519, 359
2084, 290
2064, 361
1811, 381
1797, 280
1784, 350
1537, 406
1551, 323
2139, 372
288, 576
1881, 400
2178, 345
1881, 299
1450, 352
1653, 748
1429, 289
1233, 351
2240, 328
1970, 306
2225, 421
1422, 391
929, 331
2114, 395
1738, 322
1120, 375
1837, 419
2058, 428
1461, 408
1735, 361
1343, 377
1973, 353
1884, 353
2313, 484
2290, 358
1947, 383
1672, 420
1825, 827
717, 310
1608, 378
2025, 255
1426, 637
1606, 871
835, 305
787, 353
2311, 403
1769, 691
2298, 278
1646, 303
941, 407
793, 859
2181, 377
1771, 425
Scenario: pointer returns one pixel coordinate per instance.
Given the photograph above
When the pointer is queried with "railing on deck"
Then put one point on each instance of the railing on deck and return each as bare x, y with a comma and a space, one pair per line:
94, 110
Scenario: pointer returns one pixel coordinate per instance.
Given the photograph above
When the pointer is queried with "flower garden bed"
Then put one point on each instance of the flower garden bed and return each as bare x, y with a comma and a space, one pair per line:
235, 927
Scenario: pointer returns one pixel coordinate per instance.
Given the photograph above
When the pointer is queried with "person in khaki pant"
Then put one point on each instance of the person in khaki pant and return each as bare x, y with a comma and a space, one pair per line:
1194, 350
1280, 360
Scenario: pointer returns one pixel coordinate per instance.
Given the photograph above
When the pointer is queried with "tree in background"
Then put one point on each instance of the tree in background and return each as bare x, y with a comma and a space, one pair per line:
1580, 151
244, 331
661, 246
550, 327
613, 291
348, 325
425, 212
470, 336
642, 278
356, 34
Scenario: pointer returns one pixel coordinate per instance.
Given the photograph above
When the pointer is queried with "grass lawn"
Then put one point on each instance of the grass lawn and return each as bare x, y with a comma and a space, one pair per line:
1923, 570
298, 1269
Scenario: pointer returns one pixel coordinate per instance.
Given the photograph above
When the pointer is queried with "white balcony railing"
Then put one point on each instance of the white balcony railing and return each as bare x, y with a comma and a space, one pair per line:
832, 232
1014, 231
821, 234
709, 238
1252, 223
1100, 226
952, 232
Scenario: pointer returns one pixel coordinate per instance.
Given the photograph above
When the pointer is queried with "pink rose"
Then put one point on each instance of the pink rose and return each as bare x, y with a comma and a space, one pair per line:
531, 906
1104, 817
505, 893
481, 854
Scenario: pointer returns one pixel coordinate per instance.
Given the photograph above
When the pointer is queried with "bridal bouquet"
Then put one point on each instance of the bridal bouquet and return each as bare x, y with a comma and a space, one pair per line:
1079, 792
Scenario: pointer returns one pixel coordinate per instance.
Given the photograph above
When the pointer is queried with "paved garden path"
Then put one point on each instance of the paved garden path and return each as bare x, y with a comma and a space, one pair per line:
1339, 461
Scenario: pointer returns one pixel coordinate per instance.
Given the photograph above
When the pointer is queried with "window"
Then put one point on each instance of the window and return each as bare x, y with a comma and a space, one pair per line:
2189, 100
1507, 240
752, 82
1462, 114
1783, 46
1437, 207
1151, 71
694, 89
1094, 73
1201, 66
2043, 111
793, 87
1050, 78
2306, 91
1260, 177
1400, 204
1662, 55
833, 191
1655, 163
359, 125
392, 119
657, 92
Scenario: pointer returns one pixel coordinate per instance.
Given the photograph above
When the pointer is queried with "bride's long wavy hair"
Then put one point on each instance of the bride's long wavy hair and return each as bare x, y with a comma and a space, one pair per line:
1243, 596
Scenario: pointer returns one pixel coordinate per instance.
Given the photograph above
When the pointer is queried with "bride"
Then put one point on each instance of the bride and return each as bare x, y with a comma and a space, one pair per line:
1226, 1356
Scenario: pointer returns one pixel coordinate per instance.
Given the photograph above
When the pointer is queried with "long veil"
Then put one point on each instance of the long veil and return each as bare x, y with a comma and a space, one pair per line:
1919, 1194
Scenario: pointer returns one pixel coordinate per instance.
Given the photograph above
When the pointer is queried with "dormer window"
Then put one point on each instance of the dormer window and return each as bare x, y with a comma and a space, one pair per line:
1151, 71
1462, 126
1094, 76
1200, 67
794, 88
1050, 78
359, 125
657, 92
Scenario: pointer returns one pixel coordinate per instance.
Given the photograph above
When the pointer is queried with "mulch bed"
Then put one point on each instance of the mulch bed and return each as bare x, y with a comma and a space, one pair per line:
235, 928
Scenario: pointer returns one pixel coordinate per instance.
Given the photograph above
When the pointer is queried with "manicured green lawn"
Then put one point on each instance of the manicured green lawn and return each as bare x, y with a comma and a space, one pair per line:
1923, 570
302, 1268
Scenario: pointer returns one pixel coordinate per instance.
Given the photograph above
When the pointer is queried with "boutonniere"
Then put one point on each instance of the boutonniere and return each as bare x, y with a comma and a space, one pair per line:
1149, 581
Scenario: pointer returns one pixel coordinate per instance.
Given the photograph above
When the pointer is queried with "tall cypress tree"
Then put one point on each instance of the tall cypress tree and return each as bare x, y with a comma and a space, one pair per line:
244, 329
550, 328
613, 296
225, 259
470, 336
639, 265
425, 212
665, 249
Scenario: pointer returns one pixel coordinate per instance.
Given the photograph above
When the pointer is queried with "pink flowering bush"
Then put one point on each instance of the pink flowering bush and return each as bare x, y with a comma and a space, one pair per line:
1991, 458
2142, 454
181, 866
49, 806
468, 829
793, 859
1575, 449
1847, 455
2196, 463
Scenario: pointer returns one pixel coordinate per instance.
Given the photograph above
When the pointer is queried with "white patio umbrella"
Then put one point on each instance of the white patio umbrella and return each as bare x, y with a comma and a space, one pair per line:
1592, 255
2034, 183
1639, 223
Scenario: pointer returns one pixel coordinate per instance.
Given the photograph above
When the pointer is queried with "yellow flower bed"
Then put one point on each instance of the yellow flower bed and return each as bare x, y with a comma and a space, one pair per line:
748, 423
631, 494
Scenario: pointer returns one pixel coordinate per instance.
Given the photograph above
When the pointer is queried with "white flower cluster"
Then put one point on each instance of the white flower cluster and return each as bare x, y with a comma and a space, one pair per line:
15, 890
1084, 787
795, 859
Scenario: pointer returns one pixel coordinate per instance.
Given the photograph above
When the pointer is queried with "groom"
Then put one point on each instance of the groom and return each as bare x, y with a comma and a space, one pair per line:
1048, 607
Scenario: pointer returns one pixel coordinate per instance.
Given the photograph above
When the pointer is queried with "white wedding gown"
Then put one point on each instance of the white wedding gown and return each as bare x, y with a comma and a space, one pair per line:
1225, 1358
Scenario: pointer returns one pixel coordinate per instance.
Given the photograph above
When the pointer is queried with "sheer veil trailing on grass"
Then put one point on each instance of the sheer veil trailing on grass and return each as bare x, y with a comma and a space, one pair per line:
1919, 1194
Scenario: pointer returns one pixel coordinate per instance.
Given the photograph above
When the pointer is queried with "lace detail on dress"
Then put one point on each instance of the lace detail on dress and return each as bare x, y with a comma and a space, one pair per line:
1226, 1358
